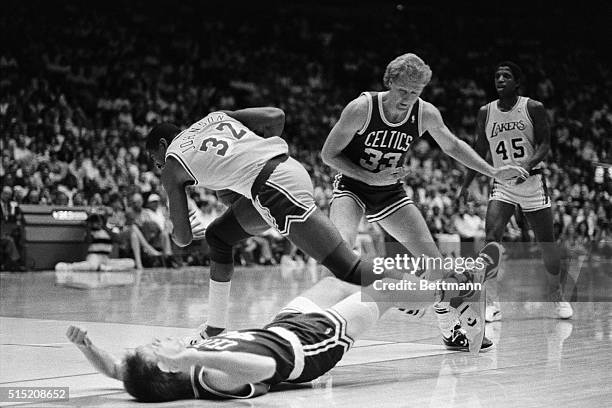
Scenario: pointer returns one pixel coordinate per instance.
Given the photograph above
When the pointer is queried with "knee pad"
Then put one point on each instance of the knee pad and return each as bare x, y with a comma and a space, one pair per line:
222, 234
349, 267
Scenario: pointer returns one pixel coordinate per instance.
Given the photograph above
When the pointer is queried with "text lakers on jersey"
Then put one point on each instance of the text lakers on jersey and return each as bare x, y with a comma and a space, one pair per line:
510, 134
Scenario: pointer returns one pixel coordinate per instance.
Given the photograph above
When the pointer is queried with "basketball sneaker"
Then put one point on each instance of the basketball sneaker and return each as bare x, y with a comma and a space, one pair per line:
458, 341
491, 255
562, 308
62, 267
471, 303
203, 332
492, 312
413, 313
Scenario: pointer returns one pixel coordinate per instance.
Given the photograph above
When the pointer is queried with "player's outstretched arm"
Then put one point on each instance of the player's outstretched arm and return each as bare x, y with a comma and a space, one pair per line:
174, 178
481, 147
102, 361
266, 121
461, 151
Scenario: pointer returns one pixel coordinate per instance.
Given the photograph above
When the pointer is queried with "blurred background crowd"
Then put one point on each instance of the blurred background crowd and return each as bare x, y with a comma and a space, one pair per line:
82, 83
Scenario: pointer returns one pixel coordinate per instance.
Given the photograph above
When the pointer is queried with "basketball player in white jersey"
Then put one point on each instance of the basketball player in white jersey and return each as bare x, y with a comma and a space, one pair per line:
221, 152
368, 146
514, 129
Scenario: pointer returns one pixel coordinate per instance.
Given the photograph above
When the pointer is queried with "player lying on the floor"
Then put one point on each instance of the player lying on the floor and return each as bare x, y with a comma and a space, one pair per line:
305, 340
100, 239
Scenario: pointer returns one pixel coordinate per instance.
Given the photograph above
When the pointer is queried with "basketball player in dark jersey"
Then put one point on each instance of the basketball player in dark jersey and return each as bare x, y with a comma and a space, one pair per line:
368, 146
515, 130
306, 339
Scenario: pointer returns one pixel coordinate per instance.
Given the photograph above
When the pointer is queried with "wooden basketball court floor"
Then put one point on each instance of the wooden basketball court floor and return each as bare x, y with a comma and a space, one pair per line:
537, 361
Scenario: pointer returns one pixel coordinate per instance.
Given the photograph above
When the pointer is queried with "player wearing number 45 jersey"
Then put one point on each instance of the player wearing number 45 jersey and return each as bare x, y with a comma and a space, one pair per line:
515, 130
368, 146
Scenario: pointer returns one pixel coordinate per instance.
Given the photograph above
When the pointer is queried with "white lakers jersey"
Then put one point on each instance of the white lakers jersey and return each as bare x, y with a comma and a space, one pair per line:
510, 134
220, 153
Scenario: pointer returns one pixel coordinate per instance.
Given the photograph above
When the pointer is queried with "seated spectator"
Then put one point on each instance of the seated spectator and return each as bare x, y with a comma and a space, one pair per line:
448, 240
158, 213
257, 249
10, 256
470, 227
130, 240
154, 235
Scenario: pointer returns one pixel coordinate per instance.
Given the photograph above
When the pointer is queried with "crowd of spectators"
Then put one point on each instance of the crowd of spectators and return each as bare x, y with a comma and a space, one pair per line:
80, 86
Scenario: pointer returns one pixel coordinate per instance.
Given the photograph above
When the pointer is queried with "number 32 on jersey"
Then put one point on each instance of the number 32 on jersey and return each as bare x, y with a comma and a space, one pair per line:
220, 146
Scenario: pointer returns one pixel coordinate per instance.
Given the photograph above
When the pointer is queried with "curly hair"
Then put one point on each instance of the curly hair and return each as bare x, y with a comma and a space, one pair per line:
164, 130
410, 65
517, 72
144, 381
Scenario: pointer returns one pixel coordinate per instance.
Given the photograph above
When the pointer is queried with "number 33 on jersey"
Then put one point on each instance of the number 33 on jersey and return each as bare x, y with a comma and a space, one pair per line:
381, 144
220, 153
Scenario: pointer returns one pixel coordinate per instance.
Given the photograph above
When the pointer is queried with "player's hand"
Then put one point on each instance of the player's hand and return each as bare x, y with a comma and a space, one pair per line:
78, 336
198, 229
387, 176
171, 356
520, 179
506, 174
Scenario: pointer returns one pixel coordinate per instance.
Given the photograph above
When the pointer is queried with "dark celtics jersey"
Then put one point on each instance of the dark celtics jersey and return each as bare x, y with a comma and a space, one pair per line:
304, 347
380, 144
256, 341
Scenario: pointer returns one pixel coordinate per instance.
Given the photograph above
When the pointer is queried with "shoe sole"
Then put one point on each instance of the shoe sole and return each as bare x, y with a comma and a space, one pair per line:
468, 322
497, 316
465, 349
471, 321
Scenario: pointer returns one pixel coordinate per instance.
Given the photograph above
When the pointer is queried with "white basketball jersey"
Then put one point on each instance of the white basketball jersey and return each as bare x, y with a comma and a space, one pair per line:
220, 153
510, 134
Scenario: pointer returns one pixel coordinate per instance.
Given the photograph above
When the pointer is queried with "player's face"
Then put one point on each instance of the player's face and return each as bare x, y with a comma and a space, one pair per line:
169, 344
404, 93
505, 83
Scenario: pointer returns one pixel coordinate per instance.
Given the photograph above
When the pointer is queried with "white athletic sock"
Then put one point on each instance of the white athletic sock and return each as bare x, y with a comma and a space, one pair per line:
359, 315
218, 303
447, 317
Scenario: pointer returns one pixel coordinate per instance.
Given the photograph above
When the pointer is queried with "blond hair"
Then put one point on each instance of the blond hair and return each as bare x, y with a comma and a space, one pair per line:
410, 65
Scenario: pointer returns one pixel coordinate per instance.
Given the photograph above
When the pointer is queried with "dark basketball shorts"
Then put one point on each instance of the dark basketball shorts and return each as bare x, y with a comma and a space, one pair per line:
283, 193
228, 197
318, 338
378, 202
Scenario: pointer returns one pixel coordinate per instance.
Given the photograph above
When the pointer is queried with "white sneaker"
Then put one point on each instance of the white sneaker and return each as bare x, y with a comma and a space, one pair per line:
413, 313
563, 310
493, 312
62, 267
